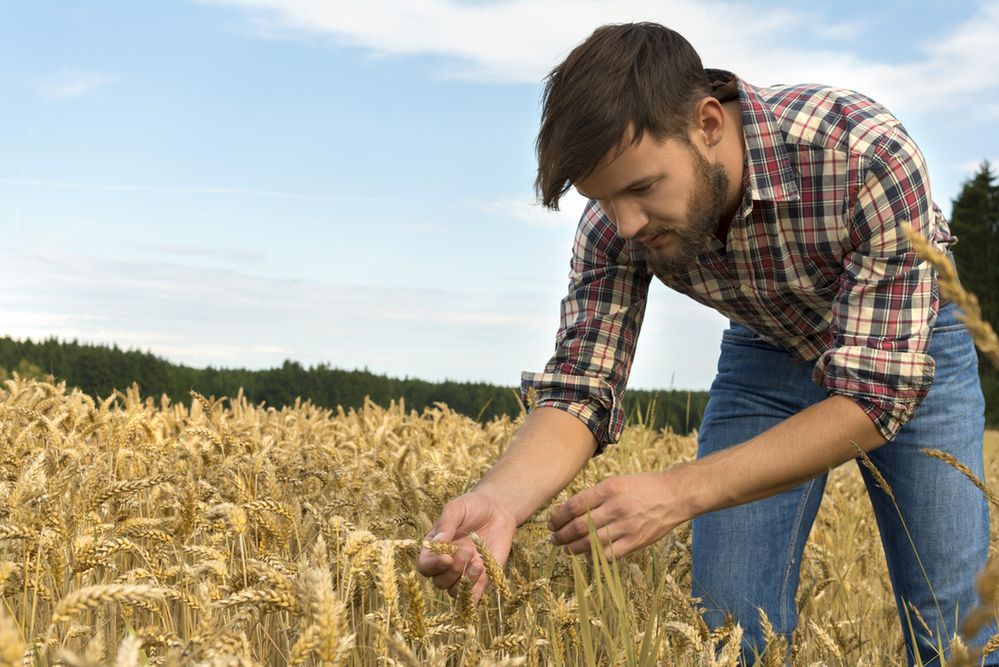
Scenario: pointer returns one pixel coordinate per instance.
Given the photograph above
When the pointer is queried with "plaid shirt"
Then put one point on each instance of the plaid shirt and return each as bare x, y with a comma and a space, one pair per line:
815, 262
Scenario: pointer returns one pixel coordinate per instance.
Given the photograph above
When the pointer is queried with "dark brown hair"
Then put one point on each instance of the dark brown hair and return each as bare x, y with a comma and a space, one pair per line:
639, 75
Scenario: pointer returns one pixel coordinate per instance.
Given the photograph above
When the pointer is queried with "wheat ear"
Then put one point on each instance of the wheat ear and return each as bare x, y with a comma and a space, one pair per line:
493, 568
950, 288
95, 596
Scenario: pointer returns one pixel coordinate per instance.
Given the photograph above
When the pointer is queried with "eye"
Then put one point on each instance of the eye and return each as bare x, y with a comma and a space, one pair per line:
640, 189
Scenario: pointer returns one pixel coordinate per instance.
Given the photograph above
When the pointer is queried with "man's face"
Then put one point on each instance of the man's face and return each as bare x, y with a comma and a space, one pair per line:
664, 194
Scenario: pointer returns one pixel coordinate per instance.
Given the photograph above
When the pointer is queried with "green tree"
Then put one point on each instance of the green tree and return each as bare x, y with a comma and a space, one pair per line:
975, 222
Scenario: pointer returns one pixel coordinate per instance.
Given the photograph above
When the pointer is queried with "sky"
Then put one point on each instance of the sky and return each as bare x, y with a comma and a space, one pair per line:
238, 182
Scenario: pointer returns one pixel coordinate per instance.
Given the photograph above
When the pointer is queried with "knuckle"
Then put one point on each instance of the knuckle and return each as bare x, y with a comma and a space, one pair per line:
611, 486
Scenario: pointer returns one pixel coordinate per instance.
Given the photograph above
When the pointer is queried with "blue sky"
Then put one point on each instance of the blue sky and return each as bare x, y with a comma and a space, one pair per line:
237, 182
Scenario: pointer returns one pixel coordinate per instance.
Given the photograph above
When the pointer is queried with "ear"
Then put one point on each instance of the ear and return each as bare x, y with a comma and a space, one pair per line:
709, 121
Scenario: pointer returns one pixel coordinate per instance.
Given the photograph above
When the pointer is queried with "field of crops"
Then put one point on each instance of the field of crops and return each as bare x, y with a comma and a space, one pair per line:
138, 532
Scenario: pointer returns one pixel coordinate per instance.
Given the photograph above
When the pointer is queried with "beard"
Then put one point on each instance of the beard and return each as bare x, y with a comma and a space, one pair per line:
705, 206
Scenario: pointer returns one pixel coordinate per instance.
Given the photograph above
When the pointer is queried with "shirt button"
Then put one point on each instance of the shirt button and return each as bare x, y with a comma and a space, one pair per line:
746, 289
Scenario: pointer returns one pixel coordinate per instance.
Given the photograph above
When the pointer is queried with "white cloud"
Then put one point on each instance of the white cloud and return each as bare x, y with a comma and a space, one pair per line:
533, 213
209, 316
200, 316
849, 31
202, 190
515, 40
224, 254
526, 210
520, 40
972, 47
970, 168
73, 82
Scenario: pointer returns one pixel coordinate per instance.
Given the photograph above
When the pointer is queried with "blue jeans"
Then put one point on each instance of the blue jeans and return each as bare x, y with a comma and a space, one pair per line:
749, 557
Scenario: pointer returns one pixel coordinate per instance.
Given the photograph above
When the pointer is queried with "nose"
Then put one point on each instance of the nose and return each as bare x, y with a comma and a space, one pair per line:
628, 216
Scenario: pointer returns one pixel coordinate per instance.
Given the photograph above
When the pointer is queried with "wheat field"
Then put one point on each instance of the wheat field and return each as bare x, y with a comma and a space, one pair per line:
135, 531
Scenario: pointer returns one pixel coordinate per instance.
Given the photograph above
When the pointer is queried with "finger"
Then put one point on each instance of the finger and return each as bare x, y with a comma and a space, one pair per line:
473, 573
606, 536
459, 565
448, 523
430, 564
447, 581
618, 550
579, 504
578, 528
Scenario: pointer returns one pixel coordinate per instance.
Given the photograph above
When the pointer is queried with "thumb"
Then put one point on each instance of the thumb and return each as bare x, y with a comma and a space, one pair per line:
450, 520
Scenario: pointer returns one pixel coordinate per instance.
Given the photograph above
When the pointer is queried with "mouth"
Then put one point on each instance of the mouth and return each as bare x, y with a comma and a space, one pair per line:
656, 240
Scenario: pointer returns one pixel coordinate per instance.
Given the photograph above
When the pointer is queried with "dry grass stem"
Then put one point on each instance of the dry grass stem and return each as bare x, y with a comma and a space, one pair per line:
964, 470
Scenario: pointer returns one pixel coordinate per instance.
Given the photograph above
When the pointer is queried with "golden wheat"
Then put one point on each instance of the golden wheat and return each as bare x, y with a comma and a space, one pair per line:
228, 533
95, 596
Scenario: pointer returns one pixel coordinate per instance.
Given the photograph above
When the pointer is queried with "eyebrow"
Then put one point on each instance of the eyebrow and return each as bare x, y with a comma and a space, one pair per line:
637, 183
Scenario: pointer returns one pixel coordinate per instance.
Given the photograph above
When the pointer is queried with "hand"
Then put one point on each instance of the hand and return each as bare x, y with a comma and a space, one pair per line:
472, 512
629, 512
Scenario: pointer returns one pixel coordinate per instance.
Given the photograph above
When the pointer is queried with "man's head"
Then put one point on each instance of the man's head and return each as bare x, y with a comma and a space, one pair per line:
663, 193
622, 83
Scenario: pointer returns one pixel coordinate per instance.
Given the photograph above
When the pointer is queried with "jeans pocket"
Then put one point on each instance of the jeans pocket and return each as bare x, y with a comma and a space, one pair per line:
948, 328
738, 334
947, 319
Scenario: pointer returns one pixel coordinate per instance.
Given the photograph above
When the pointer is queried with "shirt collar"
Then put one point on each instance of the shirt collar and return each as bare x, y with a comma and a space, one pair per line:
768, 169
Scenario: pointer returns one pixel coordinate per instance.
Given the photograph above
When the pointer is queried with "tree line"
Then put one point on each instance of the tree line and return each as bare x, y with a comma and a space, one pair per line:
99, 369
975, 222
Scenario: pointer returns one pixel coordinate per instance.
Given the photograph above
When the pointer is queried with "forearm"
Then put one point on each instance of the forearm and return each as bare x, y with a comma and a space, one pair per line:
545, 454
796, 450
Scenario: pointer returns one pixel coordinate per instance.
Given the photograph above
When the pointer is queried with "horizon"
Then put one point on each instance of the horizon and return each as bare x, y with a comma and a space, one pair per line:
320, 365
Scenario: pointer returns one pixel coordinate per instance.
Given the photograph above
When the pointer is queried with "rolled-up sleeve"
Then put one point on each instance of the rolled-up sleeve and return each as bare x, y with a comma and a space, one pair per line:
887, 299
601, 316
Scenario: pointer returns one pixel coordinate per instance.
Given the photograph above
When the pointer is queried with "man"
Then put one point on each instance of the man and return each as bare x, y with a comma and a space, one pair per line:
782, 208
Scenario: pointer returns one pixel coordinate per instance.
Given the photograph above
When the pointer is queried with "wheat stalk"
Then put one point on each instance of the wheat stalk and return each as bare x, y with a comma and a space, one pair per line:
90, 597
964, 470
493, 568
879, 479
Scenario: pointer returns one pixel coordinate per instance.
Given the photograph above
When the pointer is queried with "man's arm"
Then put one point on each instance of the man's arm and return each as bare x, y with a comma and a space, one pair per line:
631, 512
578, 405
801, 447
601, 316
545, 454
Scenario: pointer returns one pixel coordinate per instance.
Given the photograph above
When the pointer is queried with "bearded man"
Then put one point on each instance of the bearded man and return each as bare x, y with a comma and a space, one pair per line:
783, 208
